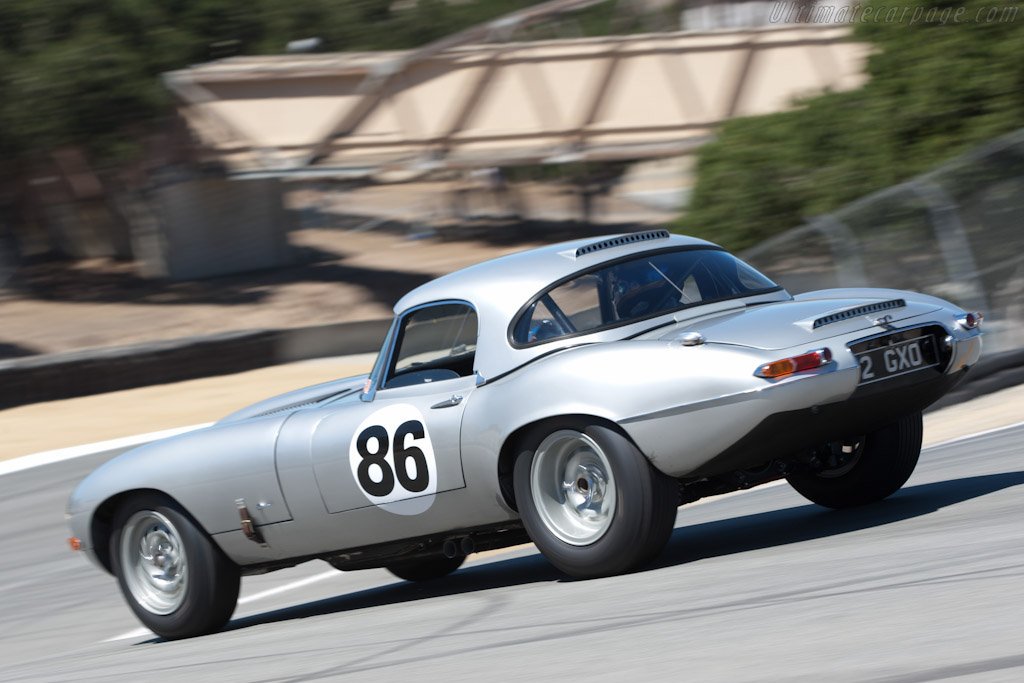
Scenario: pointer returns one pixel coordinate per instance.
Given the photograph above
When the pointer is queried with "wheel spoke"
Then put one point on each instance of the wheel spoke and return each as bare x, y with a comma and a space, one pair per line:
154, 562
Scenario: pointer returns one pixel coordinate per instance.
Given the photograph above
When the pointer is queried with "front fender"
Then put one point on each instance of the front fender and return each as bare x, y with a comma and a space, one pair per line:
205, 471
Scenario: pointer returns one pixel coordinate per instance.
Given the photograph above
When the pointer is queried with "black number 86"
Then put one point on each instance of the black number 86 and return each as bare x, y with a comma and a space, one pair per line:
386, 485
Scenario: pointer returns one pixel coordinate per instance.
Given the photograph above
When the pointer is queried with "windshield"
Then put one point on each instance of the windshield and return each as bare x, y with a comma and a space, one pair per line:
431, 343
435, 342
635, 289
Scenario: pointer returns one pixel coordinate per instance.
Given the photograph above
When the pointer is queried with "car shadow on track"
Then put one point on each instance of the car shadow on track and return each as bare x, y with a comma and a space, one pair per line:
514, 571
808, 522
688, 544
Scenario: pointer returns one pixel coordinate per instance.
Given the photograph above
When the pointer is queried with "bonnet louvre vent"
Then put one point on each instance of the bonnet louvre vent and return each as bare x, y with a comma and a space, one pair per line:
859, 310
294, 406
623, 240
307, 404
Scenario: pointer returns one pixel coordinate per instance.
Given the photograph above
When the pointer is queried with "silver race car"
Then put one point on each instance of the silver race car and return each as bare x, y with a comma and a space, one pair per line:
573, 395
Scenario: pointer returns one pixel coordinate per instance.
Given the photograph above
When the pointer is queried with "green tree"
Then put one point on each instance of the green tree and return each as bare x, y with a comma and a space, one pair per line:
935, 90
86, 72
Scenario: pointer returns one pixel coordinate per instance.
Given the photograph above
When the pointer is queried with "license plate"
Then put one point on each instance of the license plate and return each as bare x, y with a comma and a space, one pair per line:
897, 358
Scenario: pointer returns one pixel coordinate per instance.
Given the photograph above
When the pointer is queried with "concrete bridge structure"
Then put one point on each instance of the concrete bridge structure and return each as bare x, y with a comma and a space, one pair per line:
475, 99
399, 114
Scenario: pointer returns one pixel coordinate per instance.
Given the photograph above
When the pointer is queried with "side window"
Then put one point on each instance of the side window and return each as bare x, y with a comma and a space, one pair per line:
581, 302
539, 323
576, 305
434, 344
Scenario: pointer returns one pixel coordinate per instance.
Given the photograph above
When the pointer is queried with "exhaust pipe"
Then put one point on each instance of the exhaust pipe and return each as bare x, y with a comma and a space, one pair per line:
468, 545
450, 549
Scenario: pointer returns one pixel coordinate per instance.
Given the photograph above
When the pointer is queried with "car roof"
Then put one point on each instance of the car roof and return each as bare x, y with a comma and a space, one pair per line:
499, 288
510, 281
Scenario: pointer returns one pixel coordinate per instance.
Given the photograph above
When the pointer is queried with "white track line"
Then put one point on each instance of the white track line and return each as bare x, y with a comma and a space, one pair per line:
316, 578
48, 457
137, 633
975, 435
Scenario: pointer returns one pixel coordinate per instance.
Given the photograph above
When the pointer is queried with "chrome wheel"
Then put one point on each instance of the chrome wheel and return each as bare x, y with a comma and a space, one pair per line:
573, 487
154, 562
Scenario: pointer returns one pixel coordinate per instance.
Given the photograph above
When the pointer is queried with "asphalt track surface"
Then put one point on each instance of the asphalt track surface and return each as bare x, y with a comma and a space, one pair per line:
761, 586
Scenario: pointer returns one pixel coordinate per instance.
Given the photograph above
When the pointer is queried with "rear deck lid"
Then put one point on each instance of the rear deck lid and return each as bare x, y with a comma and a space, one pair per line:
786, 324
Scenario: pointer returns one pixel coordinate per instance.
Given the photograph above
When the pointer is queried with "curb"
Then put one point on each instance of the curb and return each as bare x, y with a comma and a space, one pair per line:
989, 375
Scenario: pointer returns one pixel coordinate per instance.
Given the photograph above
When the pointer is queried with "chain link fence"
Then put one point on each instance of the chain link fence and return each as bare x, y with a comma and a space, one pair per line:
955, 232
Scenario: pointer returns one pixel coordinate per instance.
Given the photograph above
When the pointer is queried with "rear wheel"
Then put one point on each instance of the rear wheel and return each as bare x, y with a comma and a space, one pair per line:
590, 501
871, 467
426, 568
175, 579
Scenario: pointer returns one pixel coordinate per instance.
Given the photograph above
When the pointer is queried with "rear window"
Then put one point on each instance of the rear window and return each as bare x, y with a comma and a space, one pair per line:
635, 289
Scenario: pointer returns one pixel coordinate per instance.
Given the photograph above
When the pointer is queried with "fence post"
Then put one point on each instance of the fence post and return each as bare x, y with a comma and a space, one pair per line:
953, 243
845, 250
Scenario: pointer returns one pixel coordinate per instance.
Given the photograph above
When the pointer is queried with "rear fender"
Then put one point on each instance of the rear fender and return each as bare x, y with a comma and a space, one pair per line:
617, 382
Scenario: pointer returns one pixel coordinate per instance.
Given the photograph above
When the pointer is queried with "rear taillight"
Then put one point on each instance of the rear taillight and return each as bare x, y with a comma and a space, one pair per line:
788, 366
970, 321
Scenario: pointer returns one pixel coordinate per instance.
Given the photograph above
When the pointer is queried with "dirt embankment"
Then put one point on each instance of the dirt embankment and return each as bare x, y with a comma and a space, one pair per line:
337, 276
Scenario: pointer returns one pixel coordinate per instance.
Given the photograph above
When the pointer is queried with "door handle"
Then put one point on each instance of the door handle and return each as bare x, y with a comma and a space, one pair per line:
448, 402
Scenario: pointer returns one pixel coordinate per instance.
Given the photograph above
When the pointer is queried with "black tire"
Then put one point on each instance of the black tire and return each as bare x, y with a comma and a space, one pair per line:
886, 459
426, 568
202, 589
626, 536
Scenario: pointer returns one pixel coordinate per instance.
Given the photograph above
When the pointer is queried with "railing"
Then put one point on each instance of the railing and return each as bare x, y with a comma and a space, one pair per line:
955, 232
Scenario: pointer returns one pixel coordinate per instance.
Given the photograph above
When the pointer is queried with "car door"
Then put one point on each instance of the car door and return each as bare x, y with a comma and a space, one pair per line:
399, 447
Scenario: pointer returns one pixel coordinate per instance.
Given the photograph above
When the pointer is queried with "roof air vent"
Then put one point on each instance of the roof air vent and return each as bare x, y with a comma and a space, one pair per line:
623, 240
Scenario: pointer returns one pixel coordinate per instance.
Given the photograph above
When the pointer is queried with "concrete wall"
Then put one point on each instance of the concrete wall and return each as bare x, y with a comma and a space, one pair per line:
212, 226
83, 373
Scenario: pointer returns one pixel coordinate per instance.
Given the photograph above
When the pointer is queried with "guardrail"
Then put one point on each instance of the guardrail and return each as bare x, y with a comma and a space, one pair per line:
955, 232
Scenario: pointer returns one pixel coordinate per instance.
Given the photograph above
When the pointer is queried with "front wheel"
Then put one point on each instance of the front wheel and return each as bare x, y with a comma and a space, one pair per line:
590, 501
175, 579
871, 467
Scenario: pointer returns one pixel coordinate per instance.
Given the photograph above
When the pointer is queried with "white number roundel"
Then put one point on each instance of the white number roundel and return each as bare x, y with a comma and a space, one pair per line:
392, 460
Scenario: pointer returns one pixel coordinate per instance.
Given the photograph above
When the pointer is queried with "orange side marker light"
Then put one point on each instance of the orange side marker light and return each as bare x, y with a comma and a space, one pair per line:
787, 366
